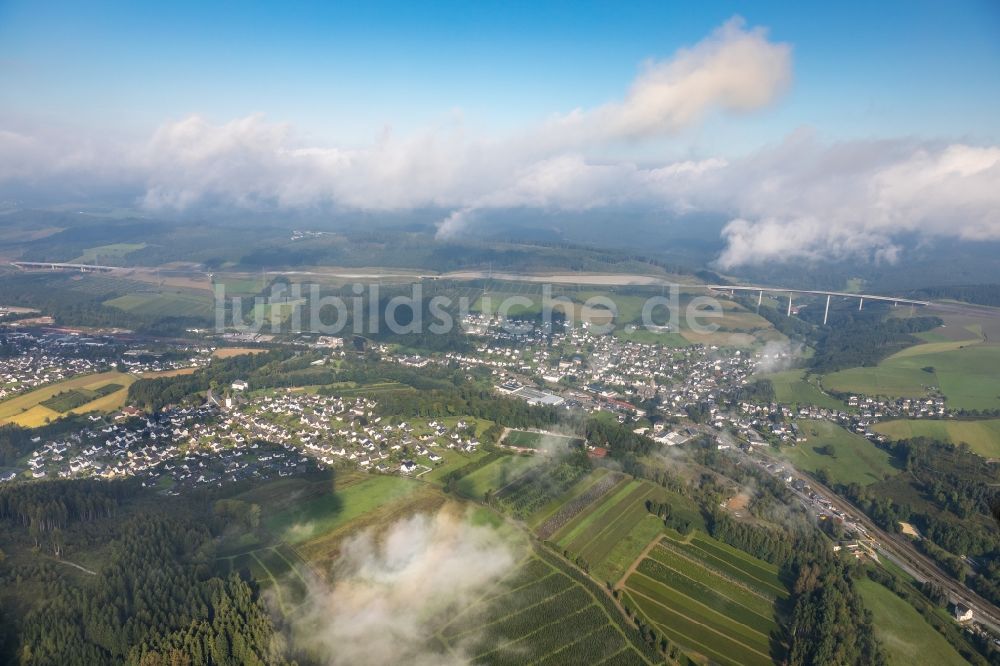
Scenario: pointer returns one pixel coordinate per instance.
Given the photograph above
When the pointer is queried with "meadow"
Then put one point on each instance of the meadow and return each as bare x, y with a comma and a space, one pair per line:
791, 387
527, 439
494, 476
982, 436
964, 371
166, 303
107, 254
905, 636
354, 497
710, 598
846, 456
651, 337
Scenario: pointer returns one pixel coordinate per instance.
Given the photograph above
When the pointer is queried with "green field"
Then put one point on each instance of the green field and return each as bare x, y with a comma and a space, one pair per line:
166, 304
792, 388
350, 389
525, 439
561, 508
610, 533
710, 598
983, 436
542, 614
537, 486
905, 636
329, 511
967, 373
852, 458
495, 475
107, 254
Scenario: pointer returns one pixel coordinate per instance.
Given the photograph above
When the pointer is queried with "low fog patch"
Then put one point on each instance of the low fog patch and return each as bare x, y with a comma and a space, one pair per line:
392, 590
778, 356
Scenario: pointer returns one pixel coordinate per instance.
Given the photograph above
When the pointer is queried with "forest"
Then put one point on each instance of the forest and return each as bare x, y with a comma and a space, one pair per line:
951, 496
155, 598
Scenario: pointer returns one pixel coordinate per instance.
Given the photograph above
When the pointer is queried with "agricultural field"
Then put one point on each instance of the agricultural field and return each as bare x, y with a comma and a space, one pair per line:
558, 511
451, 461
542, 611
354, 497
542, 614
313, 517
494, 476
166, 303
29, 410
526, 439
618, 524
73, 398
964, 371
107, 254
792, 387
710, 598
536, 487
236, 285
847, 457
624, 553
229, 352
982, 436
905, 636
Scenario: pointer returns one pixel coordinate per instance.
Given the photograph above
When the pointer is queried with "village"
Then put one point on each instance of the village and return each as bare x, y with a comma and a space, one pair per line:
35, 358
237, 437
668, 394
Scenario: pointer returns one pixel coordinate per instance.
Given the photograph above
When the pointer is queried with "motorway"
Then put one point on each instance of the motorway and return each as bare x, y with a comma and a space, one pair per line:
898, 549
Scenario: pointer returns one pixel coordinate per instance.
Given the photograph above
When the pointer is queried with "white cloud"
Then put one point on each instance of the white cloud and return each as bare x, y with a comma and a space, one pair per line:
733, 69
802, 198
856, 200
392, 591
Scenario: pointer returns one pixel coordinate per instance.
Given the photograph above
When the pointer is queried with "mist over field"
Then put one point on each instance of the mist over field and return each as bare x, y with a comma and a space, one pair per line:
393, 588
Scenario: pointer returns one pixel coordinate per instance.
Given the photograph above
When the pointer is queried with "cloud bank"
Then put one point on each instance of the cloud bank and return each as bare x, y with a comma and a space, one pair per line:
392, 593
734, 69
800, 199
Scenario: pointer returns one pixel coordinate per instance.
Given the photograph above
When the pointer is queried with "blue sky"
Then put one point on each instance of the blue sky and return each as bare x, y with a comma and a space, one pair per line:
817, 129
344, 72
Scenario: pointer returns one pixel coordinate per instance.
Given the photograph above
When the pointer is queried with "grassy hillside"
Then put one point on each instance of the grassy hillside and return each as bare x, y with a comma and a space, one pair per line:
791, 387
965, 372
906, 637
851, 458
982, 436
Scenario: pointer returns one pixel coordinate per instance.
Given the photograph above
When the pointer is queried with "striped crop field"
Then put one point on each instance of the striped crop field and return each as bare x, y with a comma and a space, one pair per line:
711, 599
544, 614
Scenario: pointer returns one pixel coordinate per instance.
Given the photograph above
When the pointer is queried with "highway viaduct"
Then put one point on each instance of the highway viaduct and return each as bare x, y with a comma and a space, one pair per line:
814, 292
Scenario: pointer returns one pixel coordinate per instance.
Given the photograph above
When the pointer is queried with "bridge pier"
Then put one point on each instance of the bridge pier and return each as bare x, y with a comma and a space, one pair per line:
826, 312
861, 302
789, 304
760, 299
